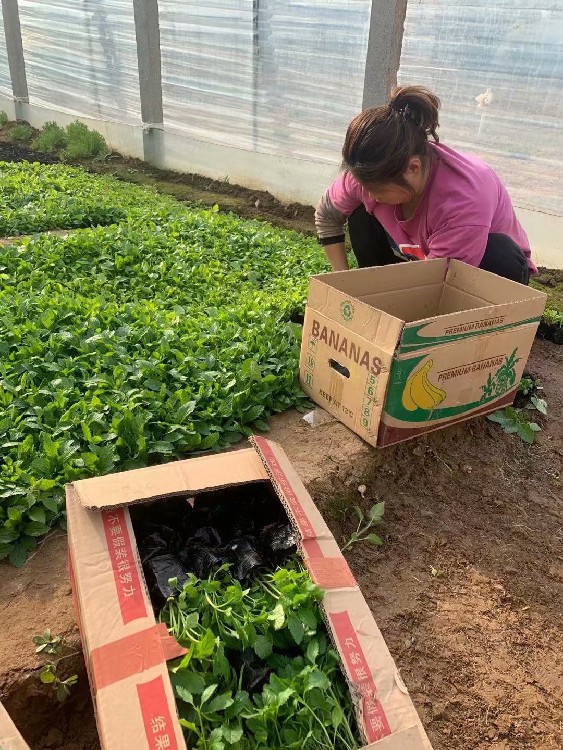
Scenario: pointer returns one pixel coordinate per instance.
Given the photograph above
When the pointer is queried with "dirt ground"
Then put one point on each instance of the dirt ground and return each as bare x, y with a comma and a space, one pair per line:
467, 589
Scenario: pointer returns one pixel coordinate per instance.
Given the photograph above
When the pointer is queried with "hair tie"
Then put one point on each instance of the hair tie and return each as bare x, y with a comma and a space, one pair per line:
407, 113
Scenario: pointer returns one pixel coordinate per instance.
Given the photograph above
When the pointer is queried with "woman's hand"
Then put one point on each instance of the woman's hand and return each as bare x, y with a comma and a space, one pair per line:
337, 256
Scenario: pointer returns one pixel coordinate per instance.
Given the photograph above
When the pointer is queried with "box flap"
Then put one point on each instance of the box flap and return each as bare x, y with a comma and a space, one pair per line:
291, 491
356, 316
396, 277
492, 288
177, 478
10, 738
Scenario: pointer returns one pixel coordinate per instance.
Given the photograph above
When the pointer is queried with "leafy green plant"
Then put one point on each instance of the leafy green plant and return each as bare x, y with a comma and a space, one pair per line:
553, 317
165, 333
515, 421
51, 138
83, 143
3, 119
365, 523
36, 198
48, 643
260, 671
62, 687
21, 133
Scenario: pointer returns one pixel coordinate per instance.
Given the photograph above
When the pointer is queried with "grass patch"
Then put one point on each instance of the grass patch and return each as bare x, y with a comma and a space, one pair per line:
3, 119
83, 143
51, 138
21, 133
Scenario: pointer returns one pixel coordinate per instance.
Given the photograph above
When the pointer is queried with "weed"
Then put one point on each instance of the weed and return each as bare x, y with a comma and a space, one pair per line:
21, 133
84, 143
53, 644
48, 643
3, 119
374, 517
62, 688
515, 421
51, 138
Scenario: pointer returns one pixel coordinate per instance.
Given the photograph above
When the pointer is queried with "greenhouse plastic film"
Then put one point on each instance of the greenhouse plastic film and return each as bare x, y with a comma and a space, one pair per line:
5, 80
498, 68
274, 76
81, 57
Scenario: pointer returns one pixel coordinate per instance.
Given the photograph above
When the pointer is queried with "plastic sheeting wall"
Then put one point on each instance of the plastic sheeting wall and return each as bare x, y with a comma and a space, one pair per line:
510, 54
281, 77
5, 80
81, 57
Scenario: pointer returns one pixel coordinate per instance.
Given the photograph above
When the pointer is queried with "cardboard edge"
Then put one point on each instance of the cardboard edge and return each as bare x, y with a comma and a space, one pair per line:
400, 434
85, 493
91, 656
10, 737
407, 739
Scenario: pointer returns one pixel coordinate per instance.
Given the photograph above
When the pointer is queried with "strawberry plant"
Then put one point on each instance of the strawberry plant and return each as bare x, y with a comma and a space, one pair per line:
136, 343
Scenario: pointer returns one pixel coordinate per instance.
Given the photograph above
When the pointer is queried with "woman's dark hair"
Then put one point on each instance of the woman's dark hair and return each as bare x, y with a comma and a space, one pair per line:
381, 140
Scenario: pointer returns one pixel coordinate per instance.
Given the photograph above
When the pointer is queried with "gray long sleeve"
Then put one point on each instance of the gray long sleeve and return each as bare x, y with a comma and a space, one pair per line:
329, 221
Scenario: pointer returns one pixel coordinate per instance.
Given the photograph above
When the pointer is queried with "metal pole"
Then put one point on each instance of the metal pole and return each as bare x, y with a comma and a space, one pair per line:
14, 50
147, 29
384, 50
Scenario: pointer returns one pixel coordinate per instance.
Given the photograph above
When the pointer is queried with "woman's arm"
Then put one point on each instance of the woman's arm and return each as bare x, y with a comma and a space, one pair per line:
337, 256
330, 223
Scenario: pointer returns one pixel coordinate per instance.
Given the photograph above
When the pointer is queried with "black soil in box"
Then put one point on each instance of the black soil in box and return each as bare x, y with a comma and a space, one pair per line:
244, 526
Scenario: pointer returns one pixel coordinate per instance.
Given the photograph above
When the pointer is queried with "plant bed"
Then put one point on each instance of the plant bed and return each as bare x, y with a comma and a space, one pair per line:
251, 662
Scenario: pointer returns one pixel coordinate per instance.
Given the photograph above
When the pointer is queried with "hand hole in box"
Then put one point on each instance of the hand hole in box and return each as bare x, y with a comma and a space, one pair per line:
339, 368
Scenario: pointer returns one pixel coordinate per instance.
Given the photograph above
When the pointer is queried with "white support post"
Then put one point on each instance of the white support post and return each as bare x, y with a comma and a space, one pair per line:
147, 29
14, 50
384, 50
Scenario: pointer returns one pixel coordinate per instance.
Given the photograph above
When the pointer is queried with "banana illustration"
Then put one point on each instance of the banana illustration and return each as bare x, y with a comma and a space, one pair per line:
419, 393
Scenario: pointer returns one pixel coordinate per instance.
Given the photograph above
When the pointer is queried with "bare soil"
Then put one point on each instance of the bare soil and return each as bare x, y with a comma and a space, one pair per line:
467, 589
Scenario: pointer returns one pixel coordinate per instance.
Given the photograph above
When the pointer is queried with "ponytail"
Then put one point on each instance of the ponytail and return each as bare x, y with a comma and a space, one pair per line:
380, 141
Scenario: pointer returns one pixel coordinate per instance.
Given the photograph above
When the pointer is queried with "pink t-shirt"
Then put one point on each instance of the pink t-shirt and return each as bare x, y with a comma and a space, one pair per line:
464, 201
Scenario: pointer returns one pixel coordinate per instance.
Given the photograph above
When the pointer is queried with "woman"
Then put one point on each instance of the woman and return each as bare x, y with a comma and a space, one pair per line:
407, 197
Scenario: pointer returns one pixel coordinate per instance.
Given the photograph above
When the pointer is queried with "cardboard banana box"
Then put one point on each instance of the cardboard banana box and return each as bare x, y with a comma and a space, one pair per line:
10, 738
397, 351
126, 651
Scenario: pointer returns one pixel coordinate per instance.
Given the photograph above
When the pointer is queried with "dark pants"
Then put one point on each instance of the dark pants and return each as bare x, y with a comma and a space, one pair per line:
372, 246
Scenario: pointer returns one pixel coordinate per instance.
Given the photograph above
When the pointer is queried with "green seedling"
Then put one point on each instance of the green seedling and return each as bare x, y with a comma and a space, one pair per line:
365, 523
260, 671
61, 687
515, 422
48, 643
155, 331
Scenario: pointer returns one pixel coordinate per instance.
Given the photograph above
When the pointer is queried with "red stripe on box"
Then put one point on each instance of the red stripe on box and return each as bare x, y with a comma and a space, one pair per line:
311, 549
280, 477
331, 572
159, 726
374, 719
133, 655
124, 564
